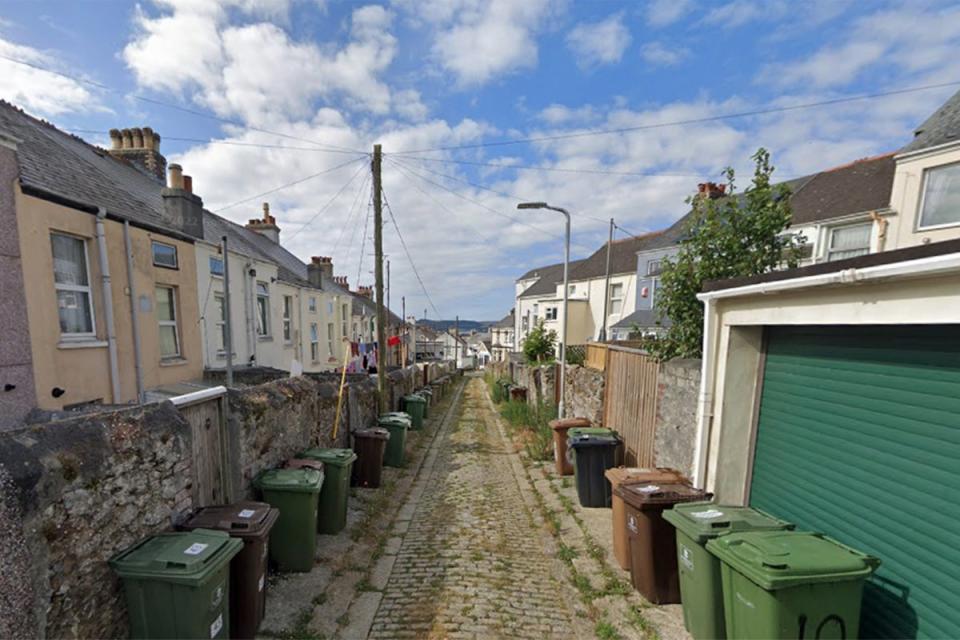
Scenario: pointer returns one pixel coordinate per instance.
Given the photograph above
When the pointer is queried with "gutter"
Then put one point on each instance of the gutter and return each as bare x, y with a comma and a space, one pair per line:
108, 306
929, 266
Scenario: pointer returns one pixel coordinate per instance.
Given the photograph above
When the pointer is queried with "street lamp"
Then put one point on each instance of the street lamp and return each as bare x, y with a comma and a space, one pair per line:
566, 289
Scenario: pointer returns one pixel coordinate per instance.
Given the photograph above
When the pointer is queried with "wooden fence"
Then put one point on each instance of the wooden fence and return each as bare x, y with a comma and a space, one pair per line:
630, 400
596, 356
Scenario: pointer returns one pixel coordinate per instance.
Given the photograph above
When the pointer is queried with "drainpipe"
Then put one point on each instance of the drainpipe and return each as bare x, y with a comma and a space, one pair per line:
248, 314
705, 399
108, 306
134, 317
227, 311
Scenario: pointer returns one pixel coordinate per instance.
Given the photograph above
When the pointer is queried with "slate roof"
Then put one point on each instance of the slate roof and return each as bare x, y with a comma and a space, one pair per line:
940, 128
549, 277
507, 321
642, 318
55, 163
863, 185
623, 253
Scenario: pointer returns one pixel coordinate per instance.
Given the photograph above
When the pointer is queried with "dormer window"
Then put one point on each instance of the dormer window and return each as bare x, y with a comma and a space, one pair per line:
940, 206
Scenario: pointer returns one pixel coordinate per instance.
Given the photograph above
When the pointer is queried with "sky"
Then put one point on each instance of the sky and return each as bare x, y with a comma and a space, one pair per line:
478, 105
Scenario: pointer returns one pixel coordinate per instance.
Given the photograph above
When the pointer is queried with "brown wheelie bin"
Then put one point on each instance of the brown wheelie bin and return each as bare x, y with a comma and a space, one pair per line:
653, 540
250, 522
369, 445
560, 428
623, 475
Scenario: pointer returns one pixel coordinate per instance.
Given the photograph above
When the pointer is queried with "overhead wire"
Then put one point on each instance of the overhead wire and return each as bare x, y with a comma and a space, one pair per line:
289, 184
328, 204
170, 105
403, 243
523, 167
363, 239
236, 143
350, 214
674, 123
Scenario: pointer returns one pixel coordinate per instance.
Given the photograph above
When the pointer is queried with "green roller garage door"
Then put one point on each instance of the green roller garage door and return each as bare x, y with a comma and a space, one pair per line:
859, 437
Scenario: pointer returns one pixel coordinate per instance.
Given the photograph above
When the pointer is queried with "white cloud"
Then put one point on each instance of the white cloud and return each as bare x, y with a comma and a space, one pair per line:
661, 13
601, 42
557, 114
659, 55
739, 12
39, 91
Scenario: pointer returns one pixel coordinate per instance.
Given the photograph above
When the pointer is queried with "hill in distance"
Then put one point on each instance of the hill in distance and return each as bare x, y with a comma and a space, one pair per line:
465, 325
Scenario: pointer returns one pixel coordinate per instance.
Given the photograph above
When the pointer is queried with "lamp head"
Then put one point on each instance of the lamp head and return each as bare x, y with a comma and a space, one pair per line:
532, 205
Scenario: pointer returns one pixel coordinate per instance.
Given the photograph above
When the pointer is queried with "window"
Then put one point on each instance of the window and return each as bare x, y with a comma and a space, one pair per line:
653, 267
616, 298
216, 266
536, 309
343, 321
849, 241
550, 313
287, 315
164, 255
330, 308
312, 304
221, 322
314, 342
263, 309
167, 318
572, 289
71, 280
330, 338
941, 197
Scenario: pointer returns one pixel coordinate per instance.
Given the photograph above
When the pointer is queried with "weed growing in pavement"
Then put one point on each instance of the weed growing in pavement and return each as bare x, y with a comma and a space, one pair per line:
636, 620
566, 553
606, 631
531, 425
364, 586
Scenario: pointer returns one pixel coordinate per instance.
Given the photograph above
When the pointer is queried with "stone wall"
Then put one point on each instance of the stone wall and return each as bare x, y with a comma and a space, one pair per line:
676, 431
584, 394
75, 492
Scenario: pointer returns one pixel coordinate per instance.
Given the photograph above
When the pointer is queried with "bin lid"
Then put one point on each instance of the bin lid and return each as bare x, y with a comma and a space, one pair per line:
373, 432
240, 519
403, 415
298, 480
705, 520
183, 557
304, 463
593, 440
621, 475
781, 559
562, 424
331, 457
592, 431
393, 425
426, 390
659, 495
414, 398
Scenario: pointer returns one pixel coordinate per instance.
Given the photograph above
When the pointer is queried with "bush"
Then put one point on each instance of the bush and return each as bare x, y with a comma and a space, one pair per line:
531, 425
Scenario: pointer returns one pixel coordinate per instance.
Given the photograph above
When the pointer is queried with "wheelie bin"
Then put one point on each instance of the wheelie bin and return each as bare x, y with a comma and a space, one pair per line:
369, 445
653, 543
427, 394
791, 584
415, 405
701, 587
400, 415
397, 444
249, 522
293, 541
177, 585
622, 475
338, 467
561, 429
593, 455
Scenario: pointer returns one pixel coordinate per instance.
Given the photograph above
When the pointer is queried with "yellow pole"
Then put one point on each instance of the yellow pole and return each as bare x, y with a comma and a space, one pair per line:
343, 381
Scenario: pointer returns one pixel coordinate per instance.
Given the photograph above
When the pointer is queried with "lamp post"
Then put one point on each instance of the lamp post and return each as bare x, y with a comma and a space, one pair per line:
566, 292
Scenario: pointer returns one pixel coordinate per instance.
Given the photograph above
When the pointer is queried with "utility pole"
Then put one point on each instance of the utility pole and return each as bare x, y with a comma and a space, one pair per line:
227, 320
606, 287
376, 164
403, 314
387, 310
456, 344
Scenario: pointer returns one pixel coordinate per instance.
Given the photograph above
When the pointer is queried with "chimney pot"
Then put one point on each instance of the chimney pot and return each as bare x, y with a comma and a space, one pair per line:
116, 141
188, 184
136, 135
176, 176
140, 147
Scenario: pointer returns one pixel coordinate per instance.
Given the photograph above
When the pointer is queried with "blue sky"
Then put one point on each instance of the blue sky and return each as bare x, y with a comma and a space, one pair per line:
294, 77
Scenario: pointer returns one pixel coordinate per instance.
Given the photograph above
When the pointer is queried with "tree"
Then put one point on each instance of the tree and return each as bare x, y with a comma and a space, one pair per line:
539, 344
735, 235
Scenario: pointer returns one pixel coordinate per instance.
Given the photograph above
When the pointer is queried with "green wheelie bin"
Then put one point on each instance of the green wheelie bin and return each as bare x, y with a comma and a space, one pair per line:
416, 406
397, 444
701, 587
427, 394
338, 467
790, 584
400, 415
177, 585
293, 541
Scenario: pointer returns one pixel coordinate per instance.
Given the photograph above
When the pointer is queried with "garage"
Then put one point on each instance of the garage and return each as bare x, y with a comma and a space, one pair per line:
857, 435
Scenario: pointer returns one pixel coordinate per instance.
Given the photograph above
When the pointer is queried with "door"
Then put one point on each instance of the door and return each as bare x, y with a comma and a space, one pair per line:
858, 436
207, 428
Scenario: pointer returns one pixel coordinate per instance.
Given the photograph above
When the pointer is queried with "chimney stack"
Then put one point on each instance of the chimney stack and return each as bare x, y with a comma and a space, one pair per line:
365, 291
320, 267
266, 226
140, 147
183, 209
711, 190
341, 281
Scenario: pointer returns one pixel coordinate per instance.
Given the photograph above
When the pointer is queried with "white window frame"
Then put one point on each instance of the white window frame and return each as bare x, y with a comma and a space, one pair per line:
831, 230
220, 323
923, 200
312, 304
314, 342
210, 262
344, 320
654, 267
170, 323
153, 255
88, 289
330, 330
616, 298
288, 319
265, 333
550, 313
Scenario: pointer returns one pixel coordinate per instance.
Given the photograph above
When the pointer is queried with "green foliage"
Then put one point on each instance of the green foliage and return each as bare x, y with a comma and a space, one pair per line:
540, 344
531, 424
738, 235
576, 354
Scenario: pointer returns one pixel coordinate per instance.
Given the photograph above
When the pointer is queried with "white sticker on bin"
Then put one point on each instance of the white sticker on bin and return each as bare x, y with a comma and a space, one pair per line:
709, 514
216, 626
195, 549
260, 584
246, 513
650, 488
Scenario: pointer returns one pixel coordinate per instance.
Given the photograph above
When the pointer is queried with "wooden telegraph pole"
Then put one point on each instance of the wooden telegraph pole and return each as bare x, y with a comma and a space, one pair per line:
378, 251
